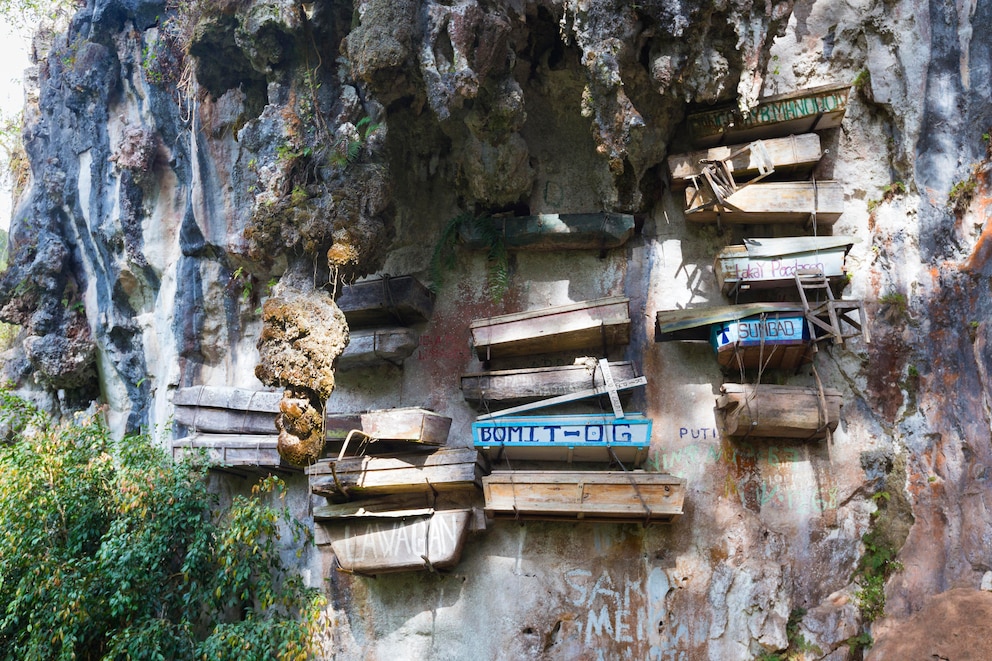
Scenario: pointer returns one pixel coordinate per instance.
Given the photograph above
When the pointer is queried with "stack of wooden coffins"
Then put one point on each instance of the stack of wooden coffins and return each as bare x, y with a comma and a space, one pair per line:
510, 439
755, 170
397, 498
381, 314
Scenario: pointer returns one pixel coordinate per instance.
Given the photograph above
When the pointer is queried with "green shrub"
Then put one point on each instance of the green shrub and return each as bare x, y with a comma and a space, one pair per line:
109, 550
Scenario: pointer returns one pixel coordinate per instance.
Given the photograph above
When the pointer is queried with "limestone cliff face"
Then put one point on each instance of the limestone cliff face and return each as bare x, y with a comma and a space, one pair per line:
188, 164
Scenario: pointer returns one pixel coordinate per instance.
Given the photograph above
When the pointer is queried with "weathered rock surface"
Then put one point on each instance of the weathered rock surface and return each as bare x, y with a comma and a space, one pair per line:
203, 174
952, 626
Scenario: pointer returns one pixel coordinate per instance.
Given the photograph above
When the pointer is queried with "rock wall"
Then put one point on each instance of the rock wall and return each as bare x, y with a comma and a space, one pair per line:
187, 163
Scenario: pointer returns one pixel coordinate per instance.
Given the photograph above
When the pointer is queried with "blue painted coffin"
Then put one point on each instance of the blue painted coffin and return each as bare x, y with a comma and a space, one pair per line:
568, 438
753, 330
774, 341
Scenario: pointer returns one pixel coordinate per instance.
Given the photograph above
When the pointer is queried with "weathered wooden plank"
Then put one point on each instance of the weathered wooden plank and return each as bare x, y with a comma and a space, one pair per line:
552, 231
584, 495
225, 421
442, 470
568, 438
402, 301
801, 111
794, 154
376, 544
588, 325
778, 411
243, 451
376, 347
503, 387
397, 503
758, 265
414, 425
228, 397
772, 202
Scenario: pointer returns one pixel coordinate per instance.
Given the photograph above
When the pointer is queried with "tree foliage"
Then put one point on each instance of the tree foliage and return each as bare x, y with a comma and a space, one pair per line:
109, 550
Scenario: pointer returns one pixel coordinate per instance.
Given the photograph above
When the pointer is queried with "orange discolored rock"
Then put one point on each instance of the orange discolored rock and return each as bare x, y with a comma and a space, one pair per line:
952, 625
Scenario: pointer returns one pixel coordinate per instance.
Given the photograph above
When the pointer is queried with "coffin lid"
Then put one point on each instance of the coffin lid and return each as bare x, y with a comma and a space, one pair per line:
791, 245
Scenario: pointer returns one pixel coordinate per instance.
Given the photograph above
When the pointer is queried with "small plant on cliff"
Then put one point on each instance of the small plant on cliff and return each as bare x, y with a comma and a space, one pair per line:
960, 196
109, 550
889, 193
497, 257
897, 301
799, 647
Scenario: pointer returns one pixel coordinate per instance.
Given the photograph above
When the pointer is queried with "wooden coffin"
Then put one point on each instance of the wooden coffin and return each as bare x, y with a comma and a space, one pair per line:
585, 326
407, 540
773, 202
777, 411
608, 496
413, 425
777, 341
502, 387
736, 331
399, 301
552, 231
222, 409
233, 451
568, 438
377, 347
775, 116
360, 477
765, 263
796, 154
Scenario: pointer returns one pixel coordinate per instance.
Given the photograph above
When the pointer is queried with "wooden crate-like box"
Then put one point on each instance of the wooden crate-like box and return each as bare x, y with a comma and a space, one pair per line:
398, 541
607, 496
386, 301
586, 326
801, 111
244, 452
773, 202
766, 263
794, 154
380, 346
778, 411
413, 425
503, 387
451, 469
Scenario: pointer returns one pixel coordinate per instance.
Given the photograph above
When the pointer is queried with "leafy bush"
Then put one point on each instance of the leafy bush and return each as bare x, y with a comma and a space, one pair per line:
109, 550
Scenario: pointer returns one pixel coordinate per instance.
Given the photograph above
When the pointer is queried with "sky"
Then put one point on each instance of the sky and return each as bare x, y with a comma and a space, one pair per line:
14, 49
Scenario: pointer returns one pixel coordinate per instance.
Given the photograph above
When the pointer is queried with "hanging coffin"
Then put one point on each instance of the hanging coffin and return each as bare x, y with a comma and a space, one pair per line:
552, 231
360, 477
406, 540
773, 202
502, 387
765, 263
778, 411
587, 326
596, 496
795, 154
386, 301
378, 347
769, 335
775, 116
601, 438
241, 452
780, 341
227, 410
413, 425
